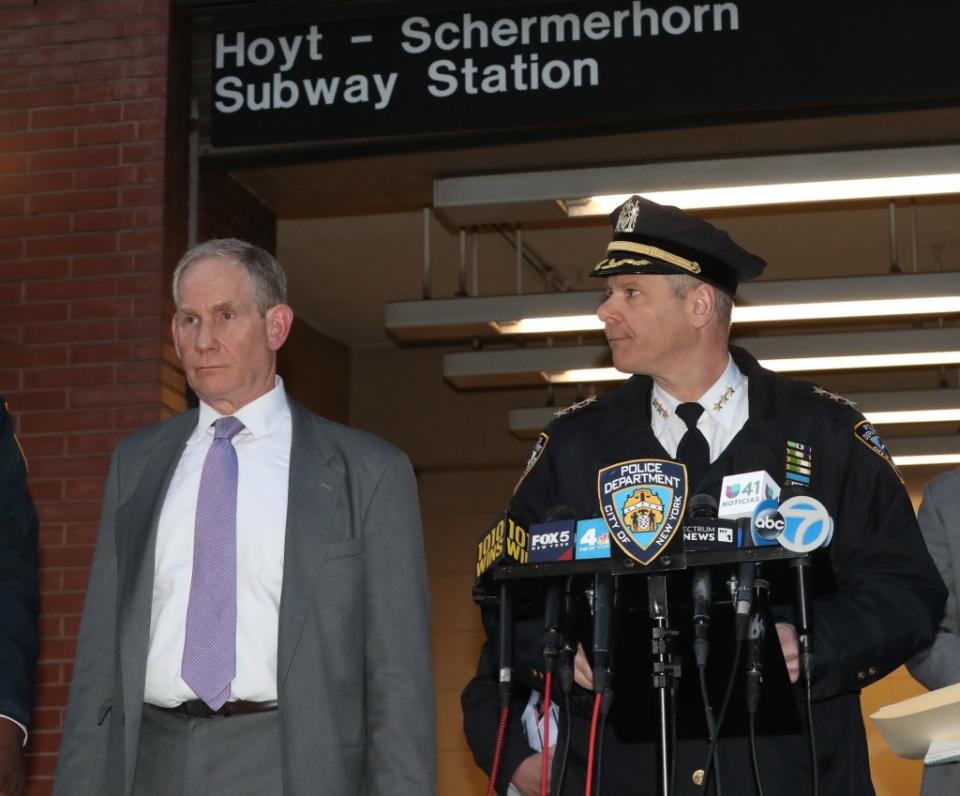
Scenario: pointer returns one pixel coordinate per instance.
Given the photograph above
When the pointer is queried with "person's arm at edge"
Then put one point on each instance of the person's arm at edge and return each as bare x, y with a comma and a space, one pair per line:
19, 640
889, 596
92, 687
938, 665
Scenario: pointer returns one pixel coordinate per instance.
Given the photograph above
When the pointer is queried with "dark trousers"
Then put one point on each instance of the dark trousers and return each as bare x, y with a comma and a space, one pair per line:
223, 756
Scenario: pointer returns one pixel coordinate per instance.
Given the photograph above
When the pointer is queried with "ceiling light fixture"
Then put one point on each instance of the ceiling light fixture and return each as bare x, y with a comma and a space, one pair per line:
786, 354
720, 182
773, 301
775, 193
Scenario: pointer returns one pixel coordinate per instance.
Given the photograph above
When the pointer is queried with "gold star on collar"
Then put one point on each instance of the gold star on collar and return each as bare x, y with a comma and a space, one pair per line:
727, 395
660, 409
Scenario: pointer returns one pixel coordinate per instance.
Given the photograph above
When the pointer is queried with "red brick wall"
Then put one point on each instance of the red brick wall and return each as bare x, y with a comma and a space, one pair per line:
92, 204
229, 210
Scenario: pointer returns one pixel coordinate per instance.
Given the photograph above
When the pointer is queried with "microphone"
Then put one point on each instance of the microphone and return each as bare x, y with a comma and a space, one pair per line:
504, 542
702, 506
756, 635
702, 604
804, 639
704, 531
807, 525
746, 576
564, 518
742, 492
506, 647
602, 616
553, 539
758, 631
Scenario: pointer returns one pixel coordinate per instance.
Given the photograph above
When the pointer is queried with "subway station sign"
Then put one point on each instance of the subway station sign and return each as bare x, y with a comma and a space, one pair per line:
632, 64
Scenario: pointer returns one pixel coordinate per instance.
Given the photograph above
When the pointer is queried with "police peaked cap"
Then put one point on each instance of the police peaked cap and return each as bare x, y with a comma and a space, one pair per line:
657, 239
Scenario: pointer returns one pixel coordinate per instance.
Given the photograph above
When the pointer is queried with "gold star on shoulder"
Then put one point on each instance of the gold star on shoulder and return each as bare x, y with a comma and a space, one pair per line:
833, 396
727, 395
660, 408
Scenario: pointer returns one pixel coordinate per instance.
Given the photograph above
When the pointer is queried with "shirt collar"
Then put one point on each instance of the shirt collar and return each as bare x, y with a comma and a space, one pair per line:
726, 395
719, 402
260, 417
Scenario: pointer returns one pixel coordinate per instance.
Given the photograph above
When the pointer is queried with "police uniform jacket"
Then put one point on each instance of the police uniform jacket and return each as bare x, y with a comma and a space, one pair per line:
19, 599
877, 596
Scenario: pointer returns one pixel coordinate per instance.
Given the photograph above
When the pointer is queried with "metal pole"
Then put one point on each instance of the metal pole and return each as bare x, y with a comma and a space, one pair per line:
913, 232
473, 264
462, 290
894, 265
193, 177
426, 253
518, 245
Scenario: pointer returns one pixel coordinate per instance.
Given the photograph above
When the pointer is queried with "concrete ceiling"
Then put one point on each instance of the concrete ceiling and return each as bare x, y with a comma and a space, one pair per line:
350, 232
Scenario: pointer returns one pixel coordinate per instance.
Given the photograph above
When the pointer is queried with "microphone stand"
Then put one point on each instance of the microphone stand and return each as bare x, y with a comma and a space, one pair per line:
664, 672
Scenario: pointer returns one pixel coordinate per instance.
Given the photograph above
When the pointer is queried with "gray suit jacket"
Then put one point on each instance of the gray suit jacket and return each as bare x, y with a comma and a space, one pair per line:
353, 664
939, 665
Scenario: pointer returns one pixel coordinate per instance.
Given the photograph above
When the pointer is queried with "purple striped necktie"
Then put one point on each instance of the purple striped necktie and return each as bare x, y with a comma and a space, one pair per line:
209, 649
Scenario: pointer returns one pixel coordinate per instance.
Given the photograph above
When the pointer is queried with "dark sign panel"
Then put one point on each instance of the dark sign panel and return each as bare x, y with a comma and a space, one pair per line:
603, 64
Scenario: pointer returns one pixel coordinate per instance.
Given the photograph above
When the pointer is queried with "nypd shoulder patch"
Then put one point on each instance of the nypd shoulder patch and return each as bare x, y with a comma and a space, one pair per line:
535, 455
575, 407
868, 435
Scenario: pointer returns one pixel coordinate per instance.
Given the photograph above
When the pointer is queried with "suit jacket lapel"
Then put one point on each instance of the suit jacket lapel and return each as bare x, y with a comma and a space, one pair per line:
136, 528
315, 493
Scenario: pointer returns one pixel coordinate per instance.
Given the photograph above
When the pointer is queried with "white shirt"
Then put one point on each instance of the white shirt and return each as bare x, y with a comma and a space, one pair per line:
725, 411
263, 458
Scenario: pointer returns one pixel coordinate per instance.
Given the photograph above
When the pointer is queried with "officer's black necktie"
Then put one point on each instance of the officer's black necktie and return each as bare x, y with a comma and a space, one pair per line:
693, 450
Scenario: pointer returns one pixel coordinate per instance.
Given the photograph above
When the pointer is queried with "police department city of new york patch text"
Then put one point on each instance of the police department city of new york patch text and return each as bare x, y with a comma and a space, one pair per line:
643, 501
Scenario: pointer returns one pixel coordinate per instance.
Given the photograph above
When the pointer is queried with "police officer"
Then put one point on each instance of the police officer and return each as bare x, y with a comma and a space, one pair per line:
18, 606
670, 280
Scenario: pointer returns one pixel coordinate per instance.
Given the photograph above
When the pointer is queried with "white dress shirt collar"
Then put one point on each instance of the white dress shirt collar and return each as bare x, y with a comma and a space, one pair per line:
725, 412
260, 417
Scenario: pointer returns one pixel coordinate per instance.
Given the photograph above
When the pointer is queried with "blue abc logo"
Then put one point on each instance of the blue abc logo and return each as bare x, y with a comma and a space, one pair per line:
807, 524
766, 524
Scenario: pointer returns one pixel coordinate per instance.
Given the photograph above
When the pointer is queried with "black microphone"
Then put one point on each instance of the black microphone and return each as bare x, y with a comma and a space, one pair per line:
756, 636
804, 630
552, 635
746, 576
702, 604
755, 640
506, 646
802, 600
602, 616
702, 506
552, 632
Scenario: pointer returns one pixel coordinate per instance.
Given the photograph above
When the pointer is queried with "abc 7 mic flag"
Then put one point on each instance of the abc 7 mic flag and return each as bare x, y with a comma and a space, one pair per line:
807, 525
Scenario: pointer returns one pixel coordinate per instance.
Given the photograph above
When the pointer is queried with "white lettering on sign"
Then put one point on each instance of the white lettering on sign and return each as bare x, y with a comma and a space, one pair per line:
521, 74
277, 72
632, 22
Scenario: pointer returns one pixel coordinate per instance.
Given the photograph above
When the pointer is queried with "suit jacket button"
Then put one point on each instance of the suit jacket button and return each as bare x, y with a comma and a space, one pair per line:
698, 777
872, 671
861, 675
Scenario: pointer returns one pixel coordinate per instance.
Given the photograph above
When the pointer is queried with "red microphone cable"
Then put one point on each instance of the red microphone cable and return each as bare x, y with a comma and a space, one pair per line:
545, 763
593, 743
495, 768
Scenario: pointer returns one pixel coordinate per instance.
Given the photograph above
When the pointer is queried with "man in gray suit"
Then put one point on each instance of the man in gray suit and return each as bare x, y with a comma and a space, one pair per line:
939, 665
257, 619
